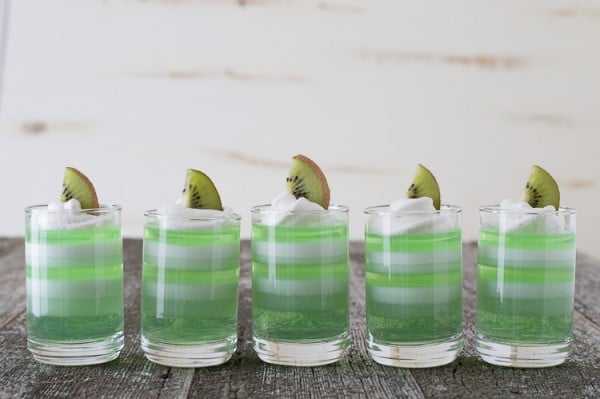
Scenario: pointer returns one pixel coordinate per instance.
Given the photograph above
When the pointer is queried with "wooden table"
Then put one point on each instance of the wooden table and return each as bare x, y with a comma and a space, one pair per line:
132, 376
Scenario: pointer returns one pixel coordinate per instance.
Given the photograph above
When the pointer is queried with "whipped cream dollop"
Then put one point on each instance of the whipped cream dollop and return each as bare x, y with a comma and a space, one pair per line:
67, 216
177, 217
522, 217
289, 210
412, 215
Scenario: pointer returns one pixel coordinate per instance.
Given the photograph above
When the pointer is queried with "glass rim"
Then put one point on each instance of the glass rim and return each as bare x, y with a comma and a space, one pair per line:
383, 210
158, 213
107, 209
495, 209
266, 209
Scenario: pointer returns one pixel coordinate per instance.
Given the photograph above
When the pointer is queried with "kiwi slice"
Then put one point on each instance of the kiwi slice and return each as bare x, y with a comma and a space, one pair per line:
77, 185
541, 189
425, 185
307, 180
199, 192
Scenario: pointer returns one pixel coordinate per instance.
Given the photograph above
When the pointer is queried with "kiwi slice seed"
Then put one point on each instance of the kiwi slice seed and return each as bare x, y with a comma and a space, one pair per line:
199, 192
77, 185
307, 180
425, 185
541, 189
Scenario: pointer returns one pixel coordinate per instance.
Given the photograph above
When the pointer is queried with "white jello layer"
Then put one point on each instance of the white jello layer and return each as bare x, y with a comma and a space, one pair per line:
526, 257
73, 289
300, 288
190, 256
413, 262
300, 253
507, 290
55, 255
189, 292
416, 295
72, 298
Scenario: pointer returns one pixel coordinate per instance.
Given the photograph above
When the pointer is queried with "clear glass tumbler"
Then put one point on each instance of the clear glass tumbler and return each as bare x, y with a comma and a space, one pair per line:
413, 277
74, 272
190, 288
525, 286
300, 285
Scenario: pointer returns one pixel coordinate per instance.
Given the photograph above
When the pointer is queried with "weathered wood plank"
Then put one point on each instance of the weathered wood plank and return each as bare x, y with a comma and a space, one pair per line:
7, 245
470, 377
587, 288
12, 282
246, 376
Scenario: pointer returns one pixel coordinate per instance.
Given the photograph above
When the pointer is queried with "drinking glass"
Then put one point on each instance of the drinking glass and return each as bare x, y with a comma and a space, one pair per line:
300, 285
525, 286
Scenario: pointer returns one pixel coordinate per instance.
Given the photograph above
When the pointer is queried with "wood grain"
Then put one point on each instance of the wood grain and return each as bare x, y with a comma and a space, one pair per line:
356, 376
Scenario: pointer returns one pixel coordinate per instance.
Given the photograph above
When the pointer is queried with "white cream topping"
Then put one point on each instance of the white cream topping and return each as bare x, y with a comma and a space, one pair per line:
412, 215
177, 217
286, 209
67, 216
522, 217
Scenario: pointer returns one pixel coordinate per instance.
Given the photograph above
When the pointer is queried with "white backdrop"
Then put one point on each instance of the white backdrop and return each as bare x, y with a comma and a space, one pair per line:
134, 92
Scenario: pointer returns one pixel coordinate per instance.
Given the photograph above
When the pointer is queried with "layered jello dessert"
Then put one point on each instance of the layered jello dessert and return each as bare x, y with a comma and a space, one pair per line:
300, 272
190, 278
74, 269
525, 277
413, 278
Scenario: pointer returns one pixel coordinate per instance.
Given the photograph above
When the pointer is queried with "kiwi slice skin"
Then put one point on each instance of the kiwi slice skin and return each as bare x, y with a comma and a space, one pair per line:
199, 192
424, 184
76, 185
541, 189
306, 179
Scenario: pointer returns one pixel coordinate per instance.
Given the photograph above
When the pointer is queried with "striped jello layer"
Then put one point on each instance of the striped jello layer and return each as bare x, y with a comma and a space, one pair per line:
526, 289
326, 251
299, 262
190, 273
413, 269
189, 294
70, 298
74, 273
526, 266
299, 282
525, 286
219, 255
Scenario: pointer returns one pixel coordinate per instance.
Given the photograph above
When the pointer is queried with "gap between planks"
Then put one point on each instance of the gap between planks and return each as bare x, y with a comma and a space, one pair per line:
167, 389
12, 318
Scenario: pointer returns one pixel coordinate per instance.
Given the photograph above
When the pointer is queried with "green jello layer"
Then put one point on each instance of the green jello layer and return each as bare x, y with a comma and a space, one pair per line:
189, 285
298, 234
214, 236
410, 242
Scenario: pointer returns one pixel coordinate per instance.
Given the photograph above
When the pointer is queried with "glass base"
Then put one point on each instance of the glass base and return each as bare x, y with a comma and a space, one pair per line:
415, 355
301, 353
189, 355
76, 353
522, 355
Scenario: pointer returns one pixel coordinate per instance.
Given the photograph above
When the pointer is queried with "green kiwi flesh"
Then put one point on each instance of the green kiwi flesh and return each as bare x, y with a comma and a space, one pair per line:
307, 180
424, 185
76, 185
199, 192
541, 189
